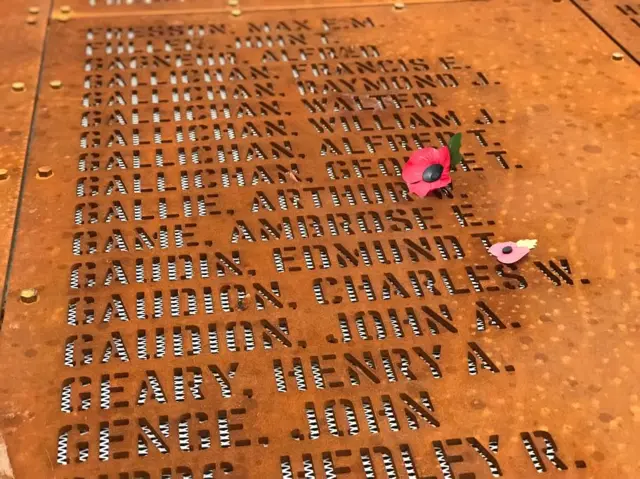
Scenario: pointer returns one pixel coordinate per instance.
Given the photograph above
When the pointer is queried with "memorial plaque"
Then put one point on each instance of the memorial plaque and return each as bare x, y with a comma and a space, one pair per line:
227, 277
70, 9
67, 9
620, 20
22, 26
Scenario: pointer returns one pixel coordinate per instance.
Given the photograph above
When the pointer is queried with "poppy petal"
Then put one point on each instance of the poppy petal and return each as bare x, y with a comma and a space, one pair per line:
496, 249
413, 169
444, 158
516, 255
430, 156
444, 179
422, 188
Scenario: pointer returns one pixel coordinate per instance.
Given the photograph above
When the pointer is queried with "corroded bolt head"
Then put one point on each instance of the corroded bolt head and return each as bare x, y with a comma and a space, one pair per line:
45, 172
34, 10
617, 56
17, 86
4, 174
65, 9
399, 5
236, 12
55, 84
29, 295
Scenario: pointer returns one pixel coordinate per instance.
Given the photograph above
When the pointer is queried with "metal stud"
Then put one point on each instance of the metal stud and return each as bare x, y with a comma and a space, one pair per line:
45, 172
29, 295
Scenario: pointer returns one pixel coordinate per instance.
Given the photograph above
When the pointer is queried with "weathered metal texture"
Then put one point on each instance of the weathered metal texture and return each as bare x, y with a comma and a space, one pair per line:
549, 151
69, 9
620, 19
22, 36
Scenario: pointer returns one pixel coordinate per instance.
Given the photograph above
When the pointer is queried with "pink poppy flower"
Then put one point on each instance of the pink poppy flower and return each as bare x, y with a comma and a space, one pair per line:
427, 170
509, 252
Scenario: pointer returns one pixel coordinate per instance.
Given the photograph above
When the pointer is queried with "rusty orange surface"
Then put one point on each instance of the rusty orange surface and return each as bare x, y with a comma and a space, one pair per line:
22, 36
69, 9
231, 280
620, 19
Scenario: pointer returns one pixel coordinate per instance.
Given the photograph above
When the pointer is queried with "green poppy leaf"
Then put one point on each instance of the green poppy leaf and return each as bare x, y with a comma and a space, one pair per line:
454, 149
456, 159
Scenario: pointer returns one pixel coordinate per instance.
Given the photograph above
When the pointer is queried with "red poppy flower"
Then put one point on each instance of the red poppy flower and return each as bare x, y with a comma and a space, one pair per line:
427, 170
509, 252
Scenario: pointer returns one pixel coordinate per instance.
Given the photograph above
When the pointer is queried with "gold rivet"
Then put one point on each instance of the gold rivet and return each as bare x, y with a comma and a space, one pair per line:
34, 10
31, 20
617, 56
4, 174
233, 3
65, 9
236, 12
398, 5
63, 18
45, 172
55, 84
17, 86
29, 295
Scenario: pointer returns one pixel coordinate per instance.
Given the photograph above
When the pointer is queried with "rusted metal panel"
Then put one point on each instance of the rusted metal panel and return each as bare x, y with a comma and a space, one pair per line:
22, 26
67, 9
620, 19
230, 279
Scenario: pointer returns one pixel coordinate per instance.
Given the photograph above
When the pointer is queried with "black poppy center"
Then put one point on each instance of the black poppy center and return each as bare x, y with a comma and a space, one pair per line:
432, 173
507, 249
